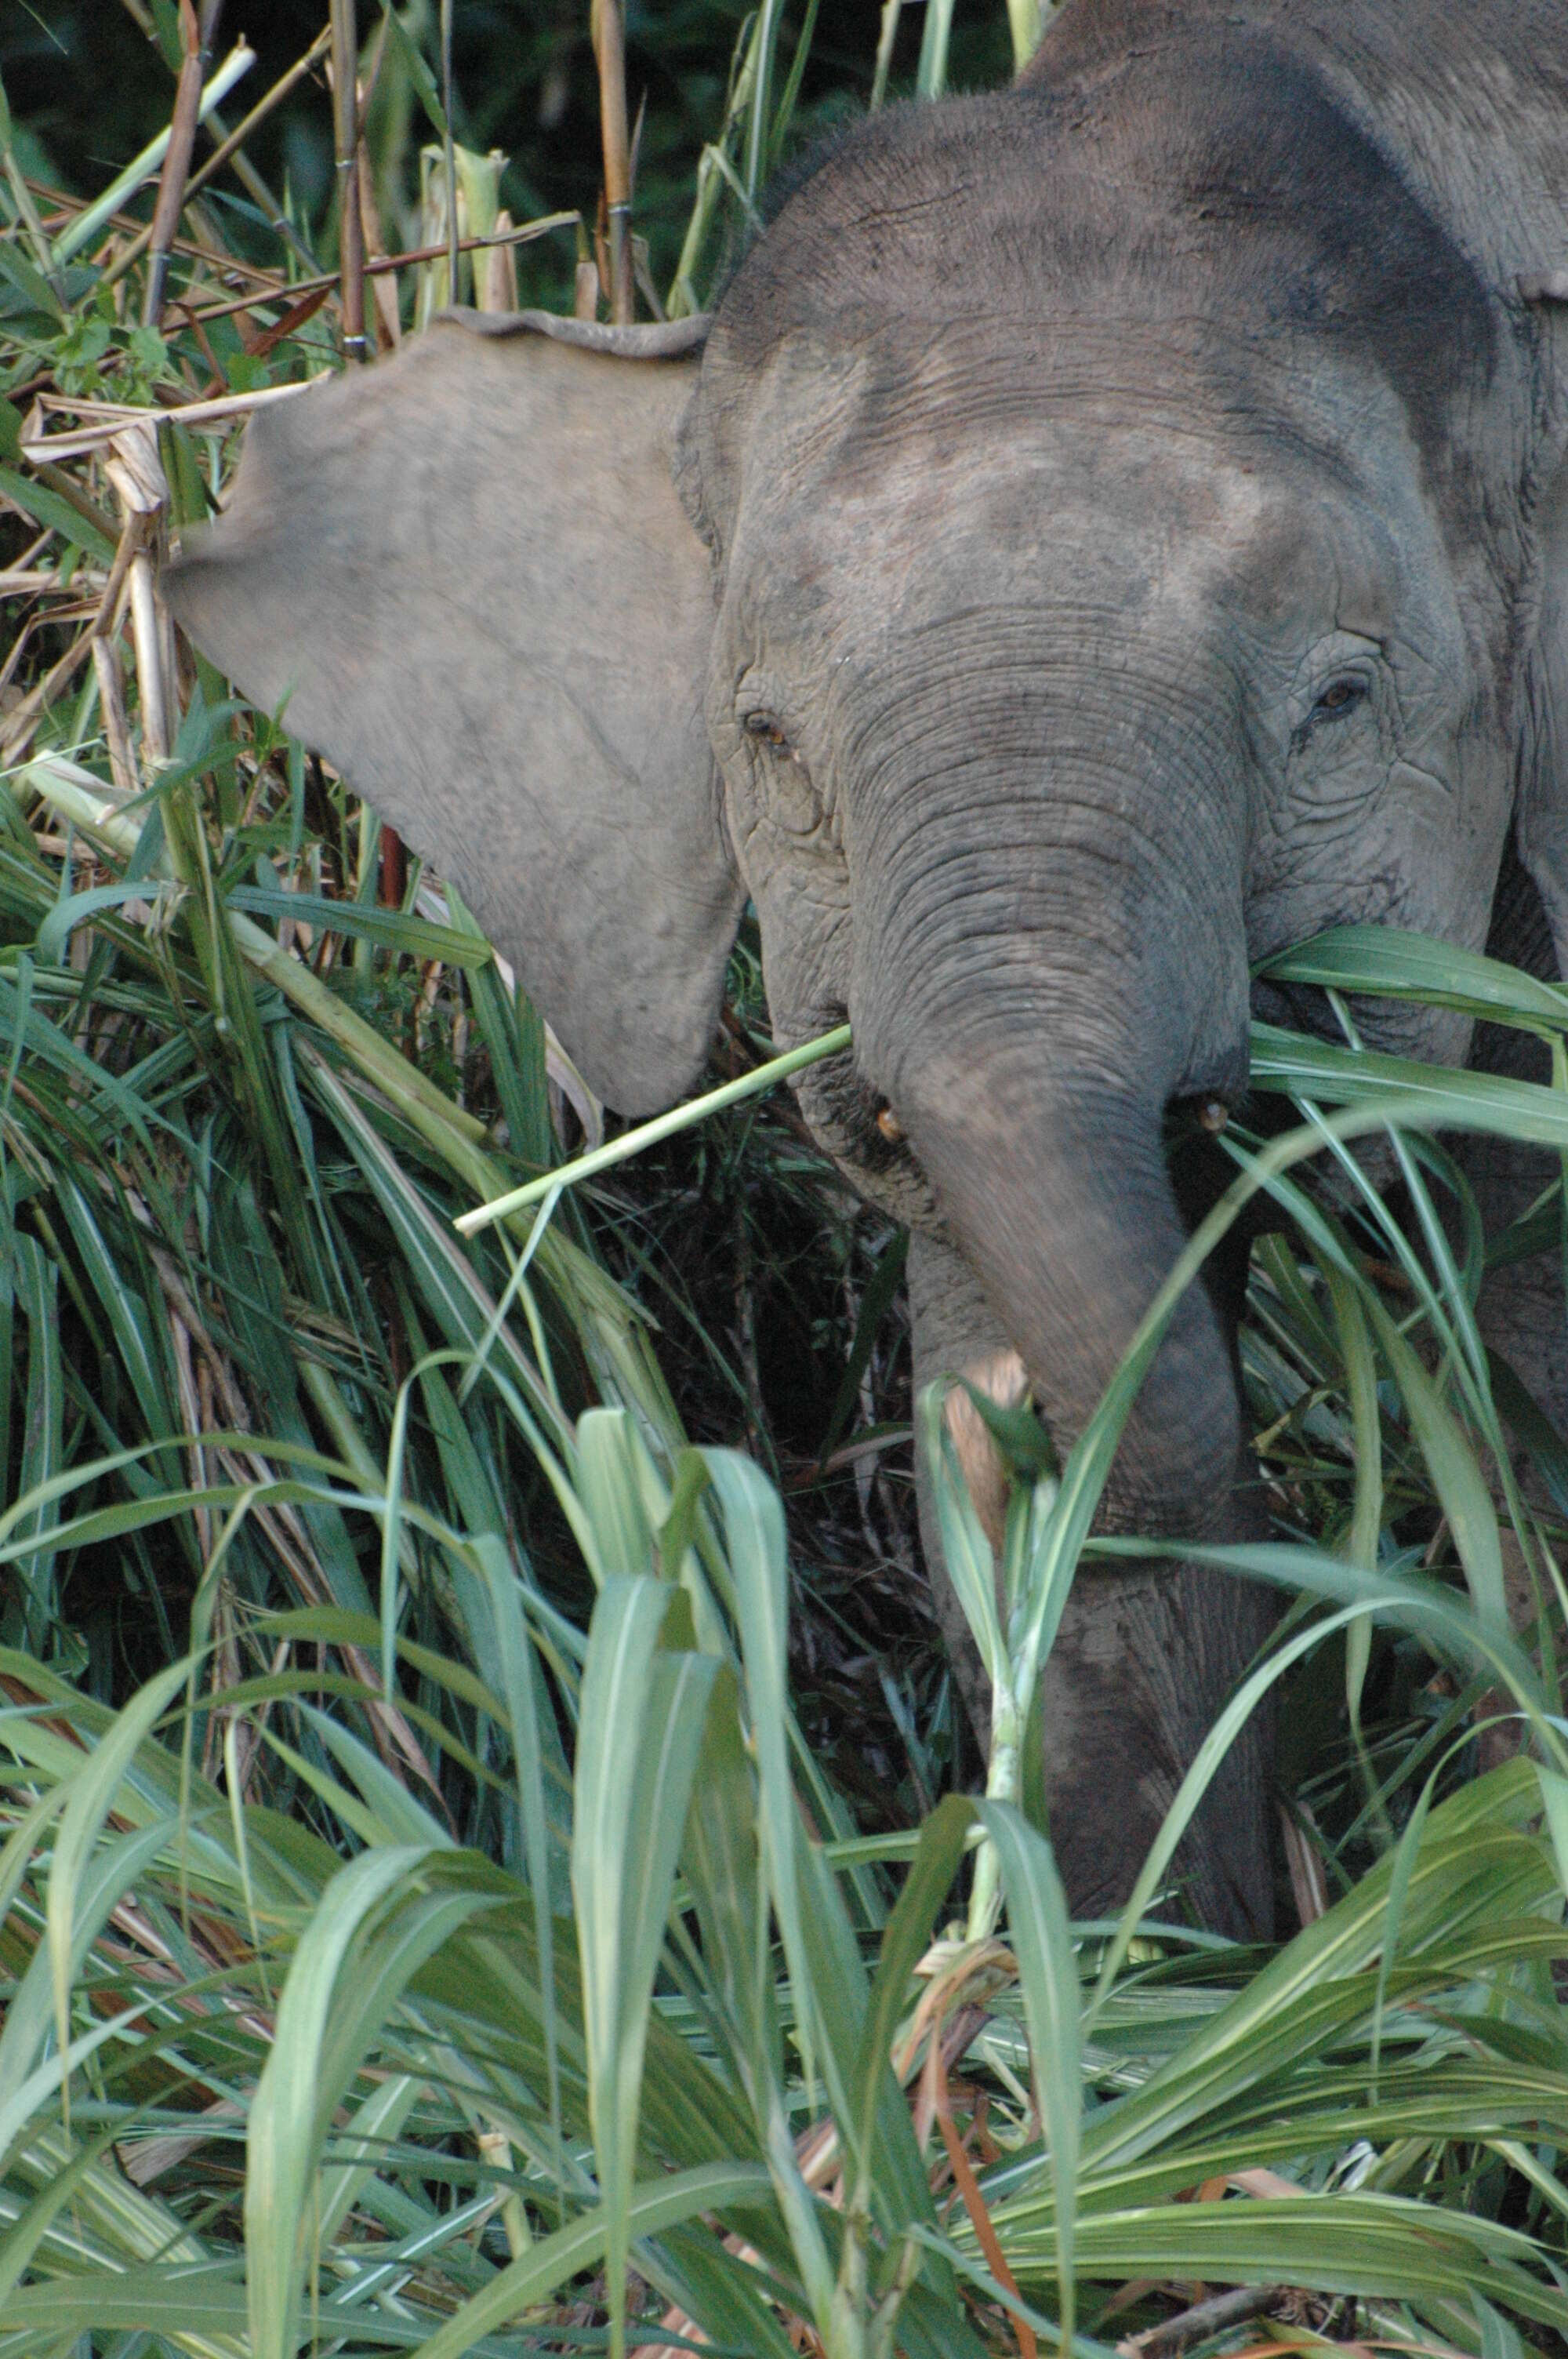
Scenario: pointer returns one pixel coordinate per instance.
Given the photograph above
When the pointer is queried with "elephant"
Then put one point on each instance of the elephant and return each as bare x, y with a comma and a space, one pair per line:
1107, 531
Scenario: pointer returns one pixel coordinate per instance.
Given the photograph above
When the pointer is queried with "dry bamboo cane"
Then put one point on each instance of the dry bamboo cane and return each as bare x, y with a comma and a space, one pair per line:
351, 276
177, 162
227, 149
610, 48
448, 151
378, 264
346, 139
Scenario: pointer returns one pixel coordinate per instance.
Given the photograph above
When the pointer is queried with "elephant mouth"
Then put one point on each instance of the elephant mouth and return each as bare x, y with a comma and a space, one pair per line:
864, 1128
853, 1122
1296, 1008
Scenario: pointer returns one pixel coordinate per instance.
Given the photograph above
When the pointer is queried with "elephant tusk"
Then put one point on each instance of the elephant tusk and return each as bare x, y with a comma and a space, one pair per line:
1213, 1116
889, 1125
1002, 1379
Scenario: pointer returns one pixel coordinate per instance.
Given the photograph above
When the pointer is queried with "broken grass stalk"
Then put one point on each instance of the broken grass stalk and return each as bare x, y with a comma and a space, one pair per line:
663, 1125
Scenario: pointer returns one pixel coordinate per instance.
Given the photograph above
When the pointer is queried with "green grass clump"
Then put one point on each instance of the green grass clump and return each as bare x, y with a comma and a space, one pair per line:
484, 1863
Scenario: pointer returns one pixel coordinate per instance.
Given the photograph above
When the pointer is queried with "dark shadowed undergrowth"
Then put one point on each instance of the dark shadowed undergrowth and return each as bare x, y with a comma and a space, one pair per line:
487, 1857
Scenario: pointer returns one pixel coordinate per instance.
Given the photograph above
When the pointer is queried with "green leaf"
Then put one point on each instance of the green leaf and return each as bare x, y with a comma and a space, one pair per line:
905, 1939
1456, 1478
39, 297
294, 2102
639, 1733
421, 80
1041, 1941
1024, 1444
48, 508
878, 1298
1386, 963
650, 2209
396, 930
965, 1550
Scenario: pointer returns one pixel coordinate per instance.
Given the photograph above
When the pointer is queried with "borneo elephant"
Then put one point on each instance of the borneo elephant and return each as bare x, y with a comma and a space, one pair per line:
1107, 531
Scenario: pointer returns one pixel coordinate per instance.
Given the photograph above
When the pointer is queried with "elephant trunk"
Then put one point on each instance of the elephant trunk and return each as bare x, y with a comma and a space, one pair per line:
1057, 1196
1030, 1022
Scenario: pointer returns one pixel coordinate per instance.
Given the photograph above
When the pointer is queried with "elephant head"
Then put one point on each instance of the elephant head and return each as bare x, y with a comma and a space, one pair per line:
1083, 560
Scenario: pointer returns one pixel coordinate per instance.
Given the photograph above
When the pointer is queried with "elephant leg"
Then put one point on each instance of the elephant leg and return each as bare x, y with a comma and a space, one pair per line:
1522, 1317
1146, 1657
1521, 1312
1521, 1308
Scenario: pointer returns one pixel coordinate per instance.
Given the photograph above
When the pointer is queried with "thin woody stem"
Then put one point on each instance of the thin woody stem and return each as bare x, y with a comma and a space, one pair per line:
346, 137
227, 151
177, 162
609, 47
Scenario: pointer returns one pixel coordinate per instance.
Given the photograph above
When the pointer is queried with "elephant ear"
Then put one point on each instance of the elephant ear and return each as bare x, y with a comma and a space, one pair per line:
1543, 816
467, 578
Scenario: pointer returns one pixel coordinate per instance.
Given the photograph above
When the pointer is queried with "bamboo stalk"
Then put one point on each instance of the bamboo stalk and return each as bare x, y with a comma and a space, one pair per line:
610, 48
111, 707
892, 11
229, 143
757, 143
448, 151
141, 169
176, 161
931, 74
1027, 21
664, 1126
346, 141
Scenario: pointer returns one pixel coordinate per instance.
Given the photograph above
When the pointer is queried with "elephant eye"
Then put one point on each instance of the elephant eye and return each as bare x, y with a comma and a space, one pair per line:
1339, 696
767, 726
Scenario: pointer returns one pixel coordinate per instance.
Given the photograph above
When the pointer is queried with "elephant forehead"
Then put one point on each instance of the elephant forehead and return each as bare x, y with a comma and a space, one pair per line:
885, 486
1116, 520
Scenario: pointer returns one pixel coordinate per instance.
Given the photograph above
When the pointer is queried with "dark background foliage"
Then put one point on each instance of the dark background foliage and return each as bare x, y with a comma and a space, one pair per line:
91, 87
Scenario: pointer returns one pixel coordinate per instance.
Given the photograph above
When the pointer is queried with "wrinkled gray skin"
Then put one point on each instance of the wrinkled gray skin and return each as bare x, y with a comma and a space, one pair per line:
1114, 529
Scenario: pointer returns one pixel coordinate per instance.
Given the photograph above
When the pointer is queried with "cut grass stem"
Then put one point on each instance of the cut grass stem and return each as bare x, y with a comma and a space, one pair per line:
662, 1127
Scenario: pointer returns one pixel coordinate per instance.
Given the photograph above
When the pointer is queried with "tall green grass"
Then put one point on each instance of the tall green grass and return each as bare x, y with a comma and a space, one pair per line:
425, 1920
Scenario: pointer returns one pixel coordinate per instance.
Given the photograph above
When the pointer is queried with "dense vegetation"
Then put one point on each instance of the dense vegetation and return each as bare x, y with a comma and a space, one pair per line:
488, 1861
